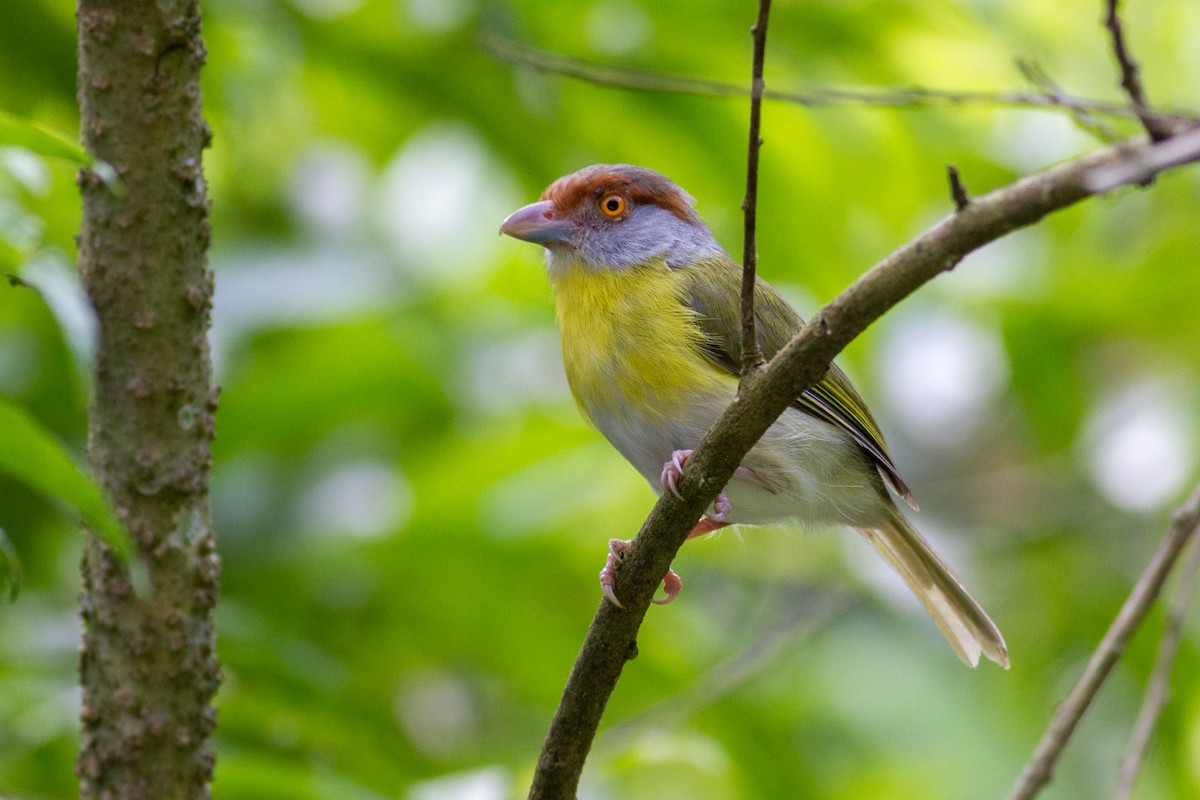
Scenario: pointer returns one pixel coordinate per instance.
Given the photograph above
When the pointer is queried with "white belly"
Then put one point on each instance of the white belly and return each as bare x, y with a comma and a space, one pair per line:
803, 470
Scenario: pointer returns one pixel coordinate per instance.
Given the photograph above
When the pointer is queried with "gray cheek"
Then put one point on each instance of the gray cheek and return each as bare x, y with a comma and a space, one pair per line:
649, 233
633, 245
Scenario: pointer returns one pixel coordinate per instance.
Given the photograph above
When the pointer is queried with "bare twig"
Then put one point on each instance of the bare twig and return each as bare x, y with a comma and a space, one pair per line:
813, 96
611, 639
751, 355
958, 191
1130, 81
1159, 688
1040, 769
1033, 72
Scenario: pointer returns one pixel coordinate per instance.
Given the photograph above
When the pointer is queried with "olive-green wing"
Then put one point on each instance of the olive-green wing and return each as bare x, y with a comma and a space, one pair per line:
712, 290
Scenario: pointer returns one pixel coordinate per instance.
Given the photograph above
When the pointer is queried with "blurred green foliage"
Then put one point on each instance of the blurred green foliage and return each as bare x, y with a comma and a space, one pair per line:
411, 513
28, 453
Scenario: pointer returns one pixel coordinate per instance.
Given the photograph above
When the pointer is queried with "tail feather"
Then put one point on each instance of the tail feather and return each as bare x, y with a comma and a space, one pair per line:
961, 620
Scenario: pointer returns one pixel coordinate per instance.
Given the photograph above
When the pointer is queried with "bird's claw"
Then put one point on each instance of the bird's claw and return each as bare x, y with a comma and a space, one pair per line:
672, 583
721, 507
671, 472
608, 575
672, 469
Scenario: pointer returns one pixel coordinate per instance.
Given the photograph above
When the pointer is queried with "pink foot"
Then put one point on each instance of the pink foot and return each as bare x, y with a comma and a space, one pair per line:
721, 507
671, 472
672, 584
608, 576
673, 469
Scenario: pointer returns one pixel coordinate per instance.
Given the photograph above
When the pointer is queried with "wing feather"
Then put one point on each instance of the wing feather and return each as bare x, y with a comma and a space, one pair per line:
711, 290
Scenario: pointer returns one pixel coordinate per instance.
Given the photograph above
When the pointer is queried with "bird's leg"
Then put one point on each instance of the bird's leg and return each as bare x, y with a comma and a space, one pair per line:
673, 469
706, 525
672, 584
671, 472
608, 576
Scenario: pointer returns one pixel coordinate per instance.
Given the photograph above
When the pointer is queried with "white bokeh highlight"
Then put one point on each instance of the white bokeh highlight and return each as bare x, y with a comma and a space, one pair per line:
617, 27
1140, 444
441, 201
438, 711
27, 168
940, 372
439, 16
489, 783
502, 374
1030, 142
278, 286
329, 187
360, 499
1014, 266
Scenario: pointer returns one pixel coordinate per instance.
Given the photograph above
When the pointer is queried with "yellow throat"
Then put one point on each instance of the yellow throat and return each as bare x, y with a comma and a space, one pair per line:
629, 340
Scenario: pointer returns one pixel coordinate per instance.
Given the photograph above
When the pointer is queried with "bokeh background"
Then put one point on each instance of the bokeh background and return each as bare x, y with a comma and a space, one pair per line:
411, 513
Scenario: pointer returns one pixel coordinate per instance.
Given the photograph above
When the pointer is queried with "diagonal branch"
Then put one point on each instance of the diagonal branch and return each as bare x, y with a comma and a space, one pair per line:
1143, 165
1040, 769
1131, 82
1159, 690
751, 355
611, 639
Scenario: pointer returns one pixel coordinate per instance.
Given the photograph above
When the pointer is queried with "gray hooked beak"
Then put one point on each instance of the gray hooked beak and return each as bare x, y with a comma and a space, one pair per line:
537, 223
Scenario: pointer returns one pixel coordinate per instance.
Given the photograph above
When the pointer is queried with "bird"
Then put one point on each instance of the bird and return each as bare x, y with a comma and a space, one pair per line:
647, 302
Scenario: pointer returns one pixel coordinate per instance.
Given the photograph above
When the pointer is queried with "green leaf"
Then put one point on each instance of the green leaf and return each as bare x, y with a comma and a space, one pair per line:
10, 255
24, 133
31, 454
10, 569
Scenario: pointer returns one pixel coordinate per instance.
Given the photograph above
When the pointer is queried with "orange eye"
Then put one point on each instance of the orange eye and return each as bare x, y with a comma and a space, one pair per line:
612, 205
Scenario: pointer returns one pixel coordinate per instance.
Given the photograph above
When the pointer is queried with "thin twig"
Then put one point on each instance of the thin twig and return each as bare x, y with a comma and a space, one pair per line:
611, 639
813, 96
751, 355
1130, 81
1033, 72
1040, 769
1159, 689
958, 191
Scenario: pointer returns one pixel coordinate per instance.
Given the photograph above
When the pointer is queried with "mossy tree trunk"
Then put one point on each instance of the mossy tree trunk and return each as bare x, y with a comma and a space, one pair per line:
148, 664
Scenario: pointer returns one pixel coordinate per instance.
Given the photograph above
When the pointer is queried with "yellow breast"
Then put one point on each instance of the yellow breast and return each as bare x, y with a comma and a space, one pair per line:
630, 341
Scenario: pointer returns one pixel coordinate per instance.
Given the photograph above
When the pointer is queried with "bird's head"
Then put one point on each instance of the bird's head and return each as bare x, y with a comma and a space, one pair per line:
614, 216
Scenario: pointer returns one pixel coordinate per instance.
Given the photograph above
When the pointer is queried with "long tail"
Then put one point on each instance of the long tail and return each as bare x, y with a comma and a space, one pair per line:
961, 620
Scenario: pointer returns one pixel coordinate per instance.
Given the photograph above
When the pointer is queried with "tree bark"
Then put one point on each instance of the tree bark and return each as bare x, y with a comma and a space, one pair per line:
148, 663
